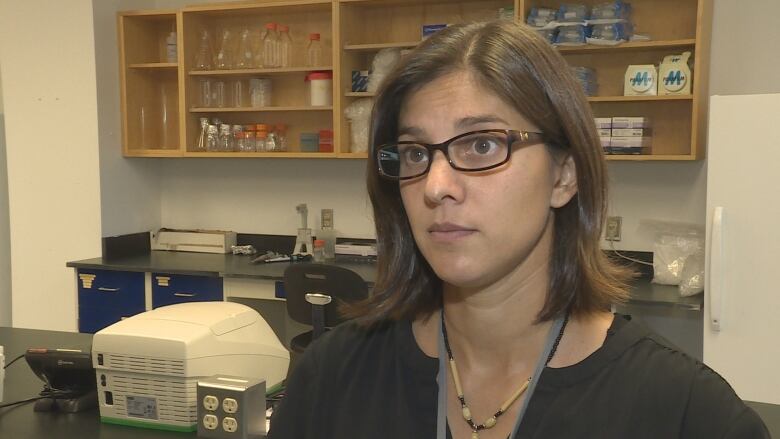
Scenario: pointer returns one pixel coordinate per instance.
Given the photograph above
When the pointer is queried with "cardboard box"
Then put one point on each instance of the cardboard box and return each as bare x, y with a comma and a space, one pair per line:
200, 241
606, 142
630, 132
630, 122
605, 132
603, 122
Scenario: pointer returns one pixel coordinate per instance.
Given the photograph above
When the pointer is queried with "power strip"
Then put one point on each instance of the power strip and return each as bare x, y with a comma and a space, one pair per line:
2, 372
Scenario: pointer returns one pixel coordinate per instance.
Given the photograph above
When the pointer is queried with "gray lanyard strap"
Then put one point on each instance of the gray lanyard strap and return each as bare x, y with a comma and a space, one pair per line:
441, 379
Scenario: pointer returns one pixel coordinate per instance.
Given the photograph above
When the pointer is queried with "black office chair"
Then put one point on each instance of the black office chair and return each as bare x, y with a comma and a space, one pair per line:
313, 294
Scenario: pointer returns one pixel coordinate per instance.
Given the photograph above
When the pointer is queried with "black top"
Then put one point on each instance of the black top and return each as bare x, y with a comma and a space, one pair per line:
378, 384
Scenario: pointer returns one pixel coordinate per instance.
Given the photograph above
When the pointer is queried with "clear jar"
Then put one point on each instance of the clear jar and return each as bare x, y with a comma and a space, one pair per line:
260, 92
285, 46
225, 138
270, 46
212, 141
204, 133
260, 137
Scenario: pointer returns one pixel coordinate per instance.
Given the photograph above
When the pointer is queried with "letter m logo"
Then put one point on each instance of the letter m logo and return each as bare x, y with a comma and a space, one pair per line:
674, 77
640, 79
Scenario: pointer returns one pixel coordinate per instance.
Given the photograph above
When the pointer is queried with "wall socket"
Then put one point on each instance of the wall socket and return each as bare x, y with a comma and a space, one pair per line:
614, 226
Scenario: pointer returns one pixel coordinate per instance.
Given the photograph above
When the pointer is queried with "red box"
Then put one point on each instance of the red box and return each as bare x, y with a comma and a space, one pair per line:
326, 140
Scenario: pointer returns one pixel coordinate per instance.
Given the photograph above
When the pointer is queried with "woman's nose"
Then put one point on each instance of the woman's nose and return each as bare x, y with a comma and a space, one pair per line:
442, 181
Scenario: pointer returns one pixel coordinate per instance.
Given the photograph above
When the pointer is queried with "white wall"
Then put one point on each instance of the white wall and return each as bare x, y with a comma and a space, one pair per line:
50, 103
5, 235
129, 188
259, 196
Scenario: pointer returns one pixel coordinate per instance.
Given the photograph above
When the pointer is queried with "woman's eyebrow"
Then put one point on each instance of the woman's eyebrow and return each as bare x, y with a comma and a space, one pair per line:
470, 121
412, 131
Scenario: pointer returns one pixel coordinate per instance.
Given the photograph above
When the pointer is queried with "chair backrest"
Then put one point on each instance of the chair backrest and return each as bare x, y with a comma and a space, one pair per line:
340, 284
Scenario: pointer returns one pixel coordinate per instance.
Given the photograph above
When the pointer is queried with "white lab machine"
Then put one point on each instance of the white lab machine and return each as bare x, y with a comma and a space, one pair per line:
147, 366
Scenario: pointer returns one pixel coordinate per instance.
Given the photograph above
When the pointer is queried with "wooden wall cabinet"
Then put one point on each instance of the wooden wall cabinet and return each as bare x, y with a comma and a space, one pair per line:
160, 104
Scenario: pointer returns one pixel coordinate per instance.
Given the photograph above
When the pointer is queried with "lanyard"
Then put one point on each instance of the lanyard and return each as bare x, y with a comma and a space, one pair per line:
441, 379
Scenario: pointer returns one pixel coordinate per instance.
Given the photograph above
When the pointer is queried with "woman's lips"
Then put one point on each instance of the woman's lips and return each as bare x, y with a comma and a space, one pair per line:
449, 232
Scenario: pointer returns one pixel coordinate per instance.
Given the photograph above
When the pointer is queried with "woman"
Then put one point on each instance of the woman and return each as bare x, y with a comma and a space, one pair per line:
491, 316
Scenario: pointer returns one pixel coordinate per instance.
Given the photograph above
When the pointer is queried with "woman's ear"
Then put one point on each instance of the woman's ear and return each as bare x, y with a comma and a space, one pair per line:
565, 185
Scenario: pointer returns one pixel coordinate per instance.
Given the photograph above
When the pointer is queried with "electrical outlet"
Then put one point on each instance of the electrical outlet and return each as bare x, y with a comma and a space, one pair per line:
230, 424
614, 225
230, 405
210, 422
210, 402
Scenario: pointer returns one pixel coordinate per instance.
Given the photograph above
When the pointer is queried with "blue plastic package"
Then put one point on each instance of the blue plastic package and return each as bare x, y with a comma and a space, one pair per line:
540, 17
610, 33
572, 12
586, 76
548, 34
571, 35
616, 9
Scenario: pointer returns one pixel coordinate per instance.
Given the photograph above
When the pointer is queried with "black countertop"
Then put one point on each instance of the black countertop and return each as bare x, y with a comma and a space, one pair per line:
209, 264
229, 265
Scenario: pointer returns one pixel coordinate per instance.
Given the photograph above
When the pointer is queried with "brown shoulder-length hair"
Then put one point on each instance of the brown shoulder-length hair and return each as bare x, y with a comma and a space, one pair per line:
524, 70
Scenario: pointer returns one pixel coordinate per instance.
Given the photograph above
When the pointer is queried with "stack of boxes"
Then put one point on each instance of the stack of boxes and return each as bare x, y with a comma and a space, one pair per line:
624, 135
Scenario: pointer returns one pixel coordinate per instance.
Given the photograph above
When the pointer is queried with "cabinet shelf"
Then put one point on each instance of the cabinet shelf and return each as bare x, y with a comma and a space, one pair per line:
278, 155
271, 71
360, 94
633, 46
154, 65
640, 98
649, 157
257, 109
378, 46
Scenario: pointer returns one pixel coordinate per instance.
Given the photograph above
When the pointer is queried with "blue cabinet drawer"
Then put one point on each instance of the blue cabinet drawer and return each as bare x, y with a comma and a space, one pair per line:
106, 296
168, 289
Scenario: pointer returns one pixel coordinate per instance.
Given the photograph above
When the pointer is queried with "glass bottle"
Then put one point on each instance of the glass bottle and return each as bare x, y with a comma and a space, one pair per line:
249, 141
281, 136
327, 233
270, 46
285, 46
260, 136
245, 58
225, 54
319, 251
237, 133
314, 51
204, 133
225, 138
212, 141
271, 142
204, 57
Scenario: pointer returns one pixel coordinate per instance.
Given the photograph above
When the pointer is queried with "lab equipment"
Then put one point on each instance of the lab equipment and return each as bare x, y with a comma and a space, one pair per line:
285, 46
204, 133
303, 243
192, 240
540, 17
171, 53
245, 58
358, 113
204, 57
325, 141
225, 55
270, 46
231, 407
148, 365
381, 66
327, 233
610, 34
212, 139
68, 377
614, 10
219, 94
238, 93
310, 142
586, 76
319, 250
260, 92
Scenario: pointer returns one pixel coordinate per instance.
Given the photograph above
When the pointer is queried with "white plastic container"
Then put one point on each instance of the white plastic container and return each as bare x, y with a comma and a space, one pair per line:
320, 89
641, 80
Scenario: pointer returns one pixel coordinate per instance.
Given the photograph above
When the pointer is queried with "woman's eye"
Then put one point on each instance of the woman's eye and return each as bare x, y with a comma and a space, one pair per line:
484, 145
415, 155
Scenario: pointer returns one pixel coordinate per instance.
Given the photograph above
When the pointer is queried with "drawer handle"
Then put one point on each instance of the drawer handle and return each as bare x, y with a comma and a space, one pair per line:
184, 294
110, 290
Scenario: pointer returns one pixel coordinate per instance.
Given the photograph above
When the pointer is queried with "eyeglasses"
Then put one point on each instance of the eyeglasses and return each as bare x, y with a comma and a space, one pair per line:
468, 152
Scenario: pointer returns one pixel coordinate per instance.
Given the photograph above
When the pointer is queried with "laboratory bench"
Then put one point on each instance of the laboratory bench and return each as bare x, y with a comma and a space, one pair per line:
20, 383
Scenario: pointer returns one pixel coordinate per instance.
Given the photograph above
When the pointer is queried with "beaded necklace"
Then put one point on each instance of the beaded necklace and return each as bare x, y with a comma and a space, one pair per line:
491, 421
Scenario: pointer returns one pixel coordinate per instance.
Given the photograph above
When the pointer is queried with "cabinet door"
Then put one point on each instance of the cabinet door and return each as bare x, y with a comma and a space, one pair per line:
741, 324
168, 289
105, 297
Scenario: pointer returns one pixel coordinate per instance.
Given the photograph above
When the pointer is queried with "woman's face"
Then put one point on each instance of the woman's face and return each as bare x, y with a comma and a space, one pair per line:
476, 228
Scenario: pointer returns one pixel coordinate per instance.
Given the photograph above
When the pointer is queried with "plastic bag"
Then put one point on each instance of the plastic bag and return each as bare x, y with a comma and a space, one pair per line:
674, 244
383, 63
692, 275
359, 115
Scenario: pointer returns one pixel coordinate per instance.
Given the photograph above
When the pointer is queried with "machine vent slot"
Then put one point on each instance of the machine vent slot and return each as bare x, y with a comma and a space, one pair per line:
145, 365
176, 400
